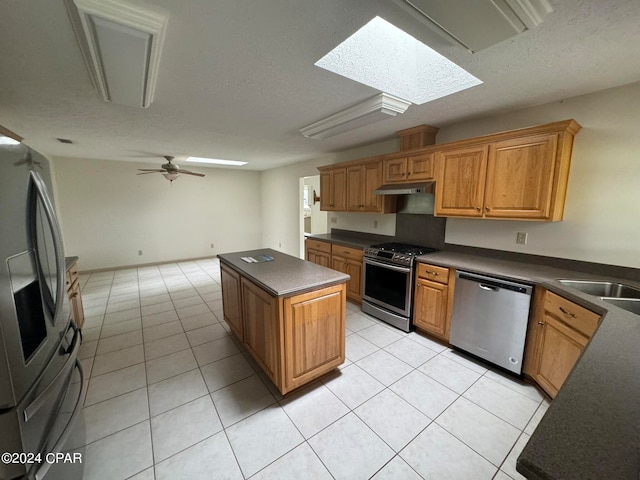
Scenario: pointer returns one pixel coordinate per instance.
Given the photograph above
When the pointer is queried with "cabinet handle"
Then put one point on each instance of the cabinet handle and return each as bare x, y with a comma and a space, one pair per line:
435, 274
487, 208
408, 173
567, 313
540, 323
478, 209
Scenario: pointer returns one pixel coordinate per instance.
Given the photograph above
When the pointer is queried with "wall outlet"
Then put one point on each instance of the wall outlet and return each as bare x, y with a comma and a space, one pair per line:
334, 220
140, 252
375, 224
212, 245
521, 237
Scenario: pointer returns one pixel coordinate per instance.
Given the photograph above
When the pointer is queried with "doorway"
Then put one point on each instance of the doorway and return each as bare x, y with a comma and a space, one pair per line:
313, 220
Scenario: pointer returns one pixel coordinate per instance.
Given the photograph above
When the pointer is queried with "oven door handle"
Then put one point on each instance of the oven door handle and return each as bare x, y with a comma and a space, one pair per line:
386, 265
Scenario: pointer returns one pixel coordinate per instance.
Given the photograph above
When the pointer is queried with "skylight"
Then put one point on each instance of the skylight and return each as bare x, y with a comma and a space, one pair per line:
8, 141
214, 161
382, 56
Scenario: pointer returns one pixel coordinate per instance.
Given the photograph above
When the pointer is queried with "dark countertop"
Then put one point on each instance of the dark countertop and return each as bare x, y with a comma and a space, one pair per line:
70, 262
285, 275
350, 239
592, 428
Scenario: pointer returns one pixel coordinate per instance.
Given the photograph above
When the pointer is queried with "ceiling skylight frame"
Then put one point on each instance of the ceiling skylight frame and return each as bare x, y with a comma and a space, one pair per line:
216, 161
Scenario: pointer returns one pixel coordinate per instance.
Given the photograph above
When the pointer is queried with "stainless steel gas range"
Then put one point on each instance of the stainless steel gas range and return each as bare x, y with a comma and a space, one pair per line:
388, 282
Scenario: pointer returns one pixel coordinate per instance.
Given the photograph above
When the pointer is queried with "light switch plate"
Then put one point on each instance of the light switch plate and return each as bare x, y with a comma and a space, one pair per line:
521, 237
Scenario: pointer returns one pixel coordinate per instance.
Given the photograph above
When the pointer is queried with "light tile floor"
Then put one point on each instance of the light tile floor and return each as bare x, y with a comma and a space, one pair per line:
172, 394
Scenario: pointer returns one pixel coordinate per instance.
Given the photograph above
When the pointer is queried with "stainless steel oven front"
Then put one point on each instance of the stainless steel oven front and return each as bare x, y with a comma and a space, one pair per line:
387, 291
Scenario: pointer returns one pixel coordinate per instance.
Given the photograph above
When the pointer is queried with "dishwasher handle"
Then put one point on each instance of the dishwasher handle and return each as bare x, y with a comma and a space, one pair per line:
495, 284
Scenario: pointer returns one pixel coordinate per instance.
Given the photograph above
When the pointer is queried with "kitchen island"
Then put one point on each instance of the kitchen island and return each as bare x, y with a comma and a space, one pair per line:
289, 314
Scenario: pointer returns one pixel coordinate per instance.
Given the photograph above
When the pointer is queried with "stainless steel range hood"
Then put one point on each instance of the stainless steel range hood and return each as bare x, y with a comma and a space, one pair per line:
413, 198
405, 188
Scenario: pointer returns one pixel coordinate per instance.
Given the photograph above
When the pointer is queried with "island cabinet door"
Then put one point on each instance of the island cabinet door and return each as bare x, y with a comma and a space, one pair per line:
262, 329
231, 305
314, 334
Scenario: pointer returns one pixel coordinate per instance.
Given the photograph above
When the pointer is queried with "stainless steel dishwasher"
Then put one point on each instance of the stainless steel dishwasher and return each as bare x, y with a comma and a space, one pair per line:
490, 317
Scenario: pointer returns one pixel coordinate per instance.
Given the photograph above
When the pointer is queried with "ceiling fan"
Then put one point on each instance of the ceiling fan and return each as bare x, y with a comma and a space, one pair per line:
169, 170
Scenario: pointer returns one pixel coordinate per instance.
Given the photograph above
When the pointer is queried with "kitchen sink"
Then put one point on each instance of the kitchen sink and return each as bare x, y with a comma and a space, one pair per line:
603, 289
630, 305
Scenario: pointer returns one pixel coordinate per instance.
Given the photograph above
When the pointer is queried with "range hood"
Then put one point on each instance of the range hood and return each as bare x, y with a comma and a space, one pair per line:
405, 188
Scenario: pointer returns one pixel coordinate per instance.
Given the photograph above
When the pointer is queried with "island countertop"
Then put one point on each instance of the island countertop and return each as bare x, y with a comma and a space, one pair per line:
285, 275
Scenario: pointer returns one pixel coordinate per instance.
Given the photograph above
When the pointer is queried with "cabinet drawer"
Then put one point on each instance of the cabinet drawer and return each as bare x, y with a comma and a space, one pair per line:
433, 272
318, 245
577, 317
346, 252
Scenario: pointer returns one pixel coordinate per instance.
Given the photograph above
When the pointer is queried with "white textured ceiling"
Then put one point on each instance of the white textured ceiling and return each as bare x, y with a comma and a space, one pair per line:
237, 77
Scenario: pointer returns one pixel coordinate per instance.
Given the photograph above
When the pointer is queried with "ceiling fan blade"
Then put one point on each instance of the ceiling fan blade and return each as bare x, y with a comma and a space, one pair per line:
151, 170
191, 173
147, 173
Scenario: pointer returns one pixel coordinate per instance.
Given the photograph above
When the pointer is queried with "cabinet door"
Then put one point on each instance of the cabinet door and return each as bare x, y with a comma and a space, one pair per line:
520, 177
395, 170
560, 348
325, 191
355, 188
314, 334
430, 307
339, 189
420, 167
231, 304
461, 179
371, 180
319, 258
261, 328
353, 268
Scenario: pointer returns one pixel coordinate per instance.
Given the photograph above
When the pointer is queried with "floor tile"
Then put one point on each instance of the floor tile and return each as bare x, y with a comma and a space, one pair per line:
410, 352
115, 383
186, 312
198, 321
299, 463
171, 365
384, 367
379, 335
164, 306
424, 393
485, 433
509, 465
226, 371
503, 402
177, 292
206, 334
397, 469
122, 316
313, 408
184, 426
188, 302
216, 350
119, 328
352, 385
161, 331
449, 373
92, 321
117, 304
90, 334
425, 341
241, 399
210, 459
439, 455
358, 321
119, 359
147, 474
466, 360
262, 438
111, 416
537, 416
132, 448
357, 347
522, 387
165, 346
176, 391
87, 350
393, 419
118, 342
147, 300
159, 318
502, 476
350, 450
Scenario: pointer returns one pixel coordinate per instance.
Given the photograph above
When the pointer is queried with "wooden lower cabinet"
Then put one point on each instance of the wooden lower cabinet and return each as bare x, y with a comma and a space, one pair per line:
295, 339
318, 252
73, 293
231, 305
559, 330
433, 299
349, 260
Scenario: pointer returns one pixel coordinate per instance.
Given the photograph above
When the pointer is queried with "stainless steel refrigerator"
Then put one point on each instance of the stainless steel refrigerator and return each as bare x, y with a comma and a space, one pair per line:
41, 381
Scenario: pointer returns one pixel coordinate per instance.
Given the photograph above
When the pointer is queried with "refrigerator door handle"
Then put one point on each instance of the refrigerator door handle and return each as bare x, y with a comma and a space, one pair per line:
41, 192
34, 406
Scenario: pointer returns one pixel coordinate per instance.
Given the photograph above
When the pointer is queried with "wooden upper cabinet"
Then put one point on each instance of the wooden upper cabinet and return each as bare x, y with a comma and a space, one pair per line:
460, 181
333, 189
520, 177
407, 169
362, 181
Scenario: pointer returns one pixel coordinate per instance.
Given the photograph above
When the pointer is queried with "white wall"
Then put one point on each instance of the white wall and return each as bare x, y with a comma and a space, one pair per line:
602, 213
281, 208
108, 213
319, 218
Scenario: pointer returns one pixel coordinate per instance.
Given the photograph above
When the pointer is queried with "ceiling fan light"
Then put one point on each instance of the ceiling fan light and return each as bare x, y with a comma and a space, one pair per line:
170, 176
